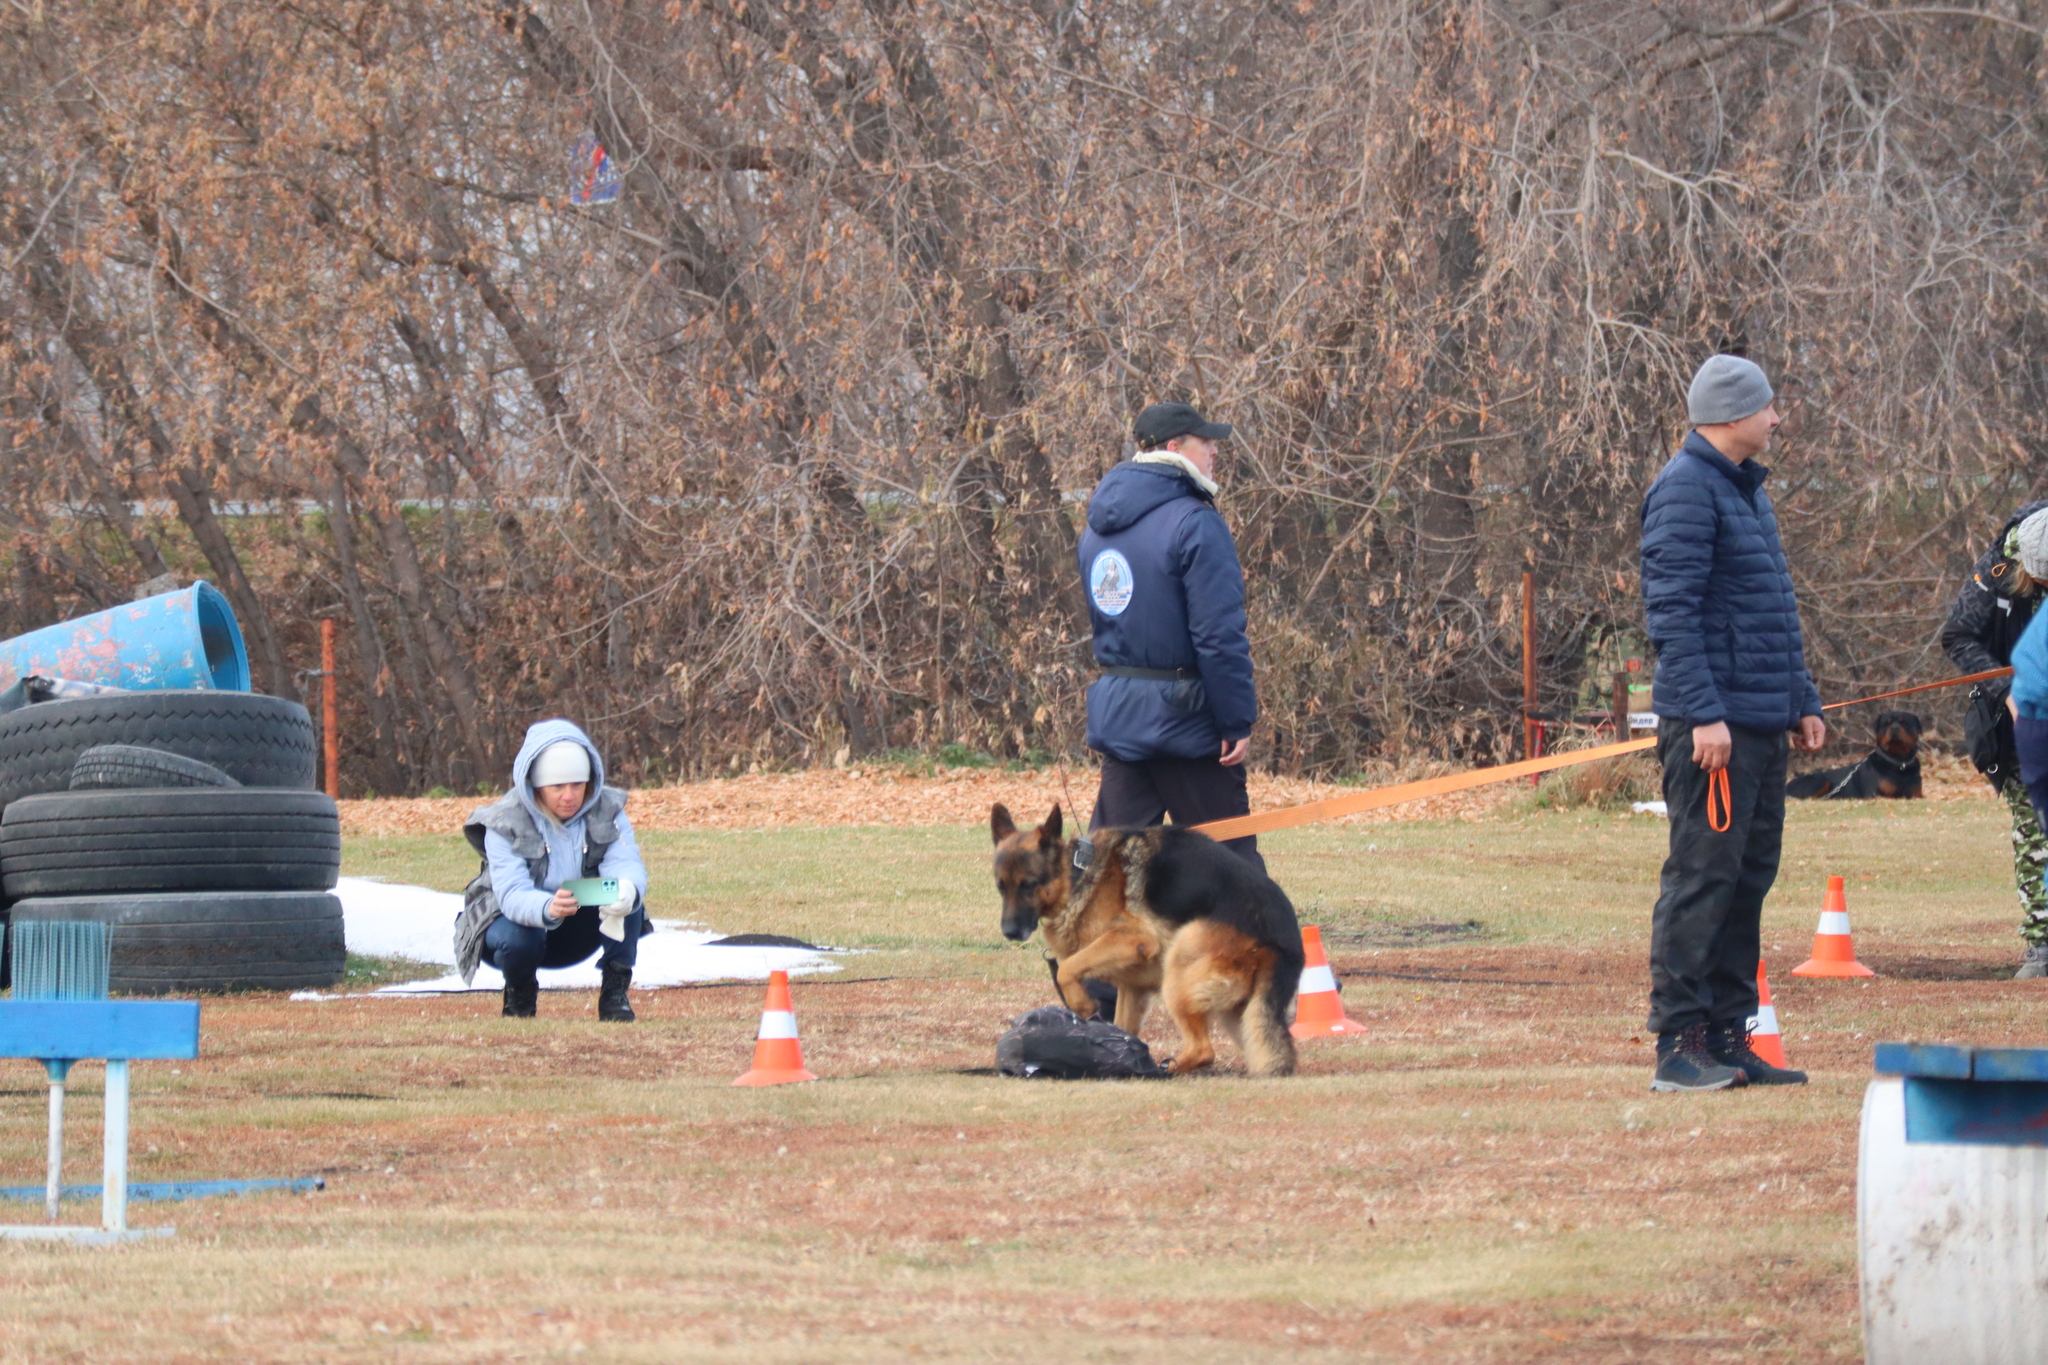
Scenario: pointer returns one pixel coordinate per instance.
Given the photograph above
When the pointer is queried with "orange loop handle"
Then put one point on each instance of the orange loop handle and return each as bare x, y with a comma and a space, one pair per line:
1717, 785
1288, 817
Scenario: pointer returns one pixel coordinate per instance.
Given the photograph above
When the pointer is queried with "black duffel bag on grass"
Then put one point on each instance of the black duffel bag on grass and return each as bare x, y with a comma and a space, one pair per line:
169, 839
163, 942
1054, 1041
259, 741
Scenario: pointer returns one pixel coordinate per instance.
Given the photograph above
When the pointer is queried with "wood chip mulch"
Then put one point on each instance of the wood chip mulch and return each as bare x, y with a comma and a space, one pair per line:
962, 796
883, 796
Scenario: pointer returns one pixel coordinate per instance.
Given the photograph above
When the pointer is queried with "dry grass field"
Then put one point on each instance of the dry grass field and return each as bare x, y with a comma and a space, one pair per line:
1484, 1177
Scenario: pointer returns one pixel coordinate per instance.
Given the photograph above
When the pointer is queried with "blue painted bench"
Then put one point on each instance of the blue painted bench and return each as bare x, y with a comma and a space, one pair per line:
1989, 1096
58, 1033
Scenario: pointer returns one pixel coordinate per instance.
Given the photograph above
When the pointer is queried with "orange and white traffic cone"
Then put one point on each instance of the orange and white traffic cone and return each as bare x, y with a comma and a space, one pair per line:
1318, 1009
1834, 953
1764, 1039
778, 1056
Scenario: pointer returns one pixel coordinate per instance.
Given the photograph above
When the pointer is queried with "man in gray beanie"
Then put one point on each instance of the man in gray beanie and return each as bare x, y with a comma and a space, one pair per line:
1732, 693
1728, 390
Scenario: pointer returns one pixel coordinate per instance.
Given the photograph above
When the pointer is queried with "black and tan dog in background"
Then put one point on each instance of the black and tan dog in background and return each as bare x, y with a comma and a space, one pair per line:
1891, 769
1166, 912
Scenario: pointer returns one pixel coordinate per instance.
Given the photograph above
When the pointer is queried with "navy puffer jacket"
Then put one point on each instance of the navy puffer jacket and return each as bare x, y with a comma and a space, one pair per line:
1164, 592
1719, 598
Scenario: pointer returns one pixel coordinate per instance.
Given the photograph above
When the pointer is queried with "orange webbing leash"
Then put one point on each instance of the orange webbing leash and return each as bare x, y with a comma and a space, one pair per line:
1924, 687
1717, 785
1290, 816
1287, 817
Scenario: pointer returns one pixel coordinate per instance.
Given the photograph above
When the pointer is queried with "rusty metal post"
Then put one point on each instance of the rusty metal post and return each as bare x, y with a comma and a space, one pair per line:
1621, 730
1530, 725
330, 729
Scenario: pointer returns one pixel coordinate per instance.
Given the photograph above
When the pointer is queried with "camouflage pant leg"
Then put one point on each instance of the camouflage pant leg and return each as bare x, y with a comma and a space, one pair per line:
2029, 862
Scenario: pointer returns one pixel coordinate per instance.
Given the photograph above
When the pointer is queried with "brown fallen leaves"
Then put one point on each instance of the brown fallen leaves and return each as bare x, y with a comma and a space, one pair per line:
962, 796
888, 796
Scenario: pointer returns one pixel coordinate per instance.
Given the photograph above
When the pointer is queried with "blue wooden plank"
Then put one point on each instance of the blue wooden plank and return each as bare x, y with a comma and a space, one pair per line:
1923, 1059
2010, 1064
173, 1189
1977, 1113
128, 1029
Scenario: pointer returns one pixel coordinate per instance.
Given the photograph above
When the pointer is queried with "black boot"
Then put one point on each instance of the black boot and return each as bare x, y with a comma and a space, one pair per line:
612, 1005
522, 995
1683, 1063
1728, 1044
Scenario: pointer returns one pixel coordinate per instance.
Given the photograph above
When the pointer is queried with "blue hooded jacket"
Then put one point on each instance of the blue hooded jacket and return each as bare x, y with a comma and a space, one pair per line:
514, 828
1719, 598
2030, 669
1164, 592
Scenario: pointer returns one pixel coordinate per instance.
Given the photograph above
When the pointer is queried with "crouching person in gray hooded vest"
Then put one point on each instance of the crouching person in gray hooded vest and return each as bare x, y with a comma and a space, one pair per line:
557, 824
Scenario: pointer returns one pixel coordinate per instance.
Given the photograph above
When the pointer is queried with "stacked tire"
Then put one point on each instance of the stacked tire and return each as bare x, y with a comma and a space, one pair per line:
186, 821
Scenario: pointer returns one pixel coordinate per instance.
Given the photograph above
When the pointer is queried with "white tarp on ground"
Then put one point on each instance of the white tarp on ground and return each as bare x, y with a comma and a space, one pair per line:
383, 919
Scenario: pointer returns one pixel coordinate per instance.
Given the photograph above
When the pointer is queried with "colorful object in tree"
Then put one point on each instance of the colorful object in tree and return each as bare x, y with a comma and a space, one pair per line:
597, 177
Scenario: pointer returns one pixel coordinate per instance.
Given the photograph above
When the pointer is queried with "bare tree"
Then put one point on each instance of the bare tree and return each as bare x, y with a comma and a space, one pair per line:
733, 375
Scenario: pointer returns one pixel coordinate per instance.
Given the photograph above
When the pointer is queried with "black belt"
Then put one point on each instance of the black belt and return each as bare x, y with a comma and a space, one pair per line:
1152, 674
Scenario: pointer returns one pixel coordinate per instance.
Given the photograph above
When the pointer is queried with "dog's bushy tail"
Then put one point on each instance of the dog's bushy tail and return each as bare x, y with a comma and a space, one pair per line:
1268, 1044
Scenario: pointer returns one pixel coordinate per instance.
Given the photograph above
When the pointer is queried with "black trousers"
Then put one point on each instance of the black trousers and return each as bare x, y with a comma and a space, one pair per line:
1193, 791
517, 949
1704, 934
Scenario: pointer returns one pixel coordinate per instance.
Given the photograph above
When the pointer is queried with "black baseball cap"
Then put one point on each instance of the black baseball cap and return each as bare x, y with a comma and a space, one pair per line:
1162, 422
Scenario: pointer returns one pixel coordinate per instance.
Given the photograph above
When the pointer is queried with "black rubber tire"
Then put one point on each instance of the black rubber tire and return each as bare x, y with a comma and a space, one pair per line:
257, 740
210, 940
122, 767
169, 839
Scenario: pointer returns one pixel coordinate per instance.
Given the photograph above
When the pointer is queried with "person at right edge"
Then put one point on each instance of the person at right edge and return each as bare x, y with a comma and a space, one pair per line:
1172, 713
1984, 627
1732, 691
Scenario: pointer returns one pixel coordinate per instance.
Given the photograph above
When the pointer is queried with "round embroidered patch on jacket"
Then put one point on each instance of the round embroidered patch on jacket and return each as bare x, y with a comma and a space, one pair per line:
1109, 582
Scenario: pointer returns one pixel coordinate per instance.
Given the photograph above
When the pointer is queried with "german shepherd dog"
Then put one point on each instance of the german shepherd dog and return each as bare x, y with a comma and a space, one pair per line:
1160, 911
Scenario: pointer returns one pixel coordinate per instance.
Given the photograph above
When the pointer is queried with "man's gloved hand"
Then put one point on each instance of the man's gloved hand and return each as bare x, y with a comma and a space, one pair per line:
611, 919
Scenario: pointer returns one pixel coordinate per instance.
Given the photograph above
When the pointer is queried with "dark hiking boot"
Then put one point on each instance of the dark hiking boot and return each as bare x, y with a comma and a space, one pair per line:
1683, 1063
612, 1005
2034, 964
1728, 1044
522, 996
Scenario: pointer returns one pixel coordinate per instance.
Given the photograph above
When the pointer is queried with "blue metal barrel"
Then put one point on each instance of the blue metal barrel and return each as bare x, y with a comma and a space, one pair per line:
178, 639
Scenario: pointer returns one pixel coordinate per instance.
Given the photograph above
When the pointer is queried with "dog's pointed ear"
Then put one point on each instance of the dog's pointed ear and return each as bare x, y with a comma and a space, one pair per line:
1050, 830
999, 822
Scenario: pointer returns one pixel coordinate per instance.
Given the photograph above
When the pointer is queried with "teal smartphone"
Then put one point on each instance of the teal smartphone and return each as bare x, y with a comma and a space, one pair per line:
593, 890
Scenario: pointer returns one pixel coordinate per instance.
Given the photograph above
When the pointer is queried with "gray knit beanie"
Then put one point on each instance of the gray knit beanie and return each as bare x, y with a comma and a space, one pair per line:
2033, 539
1727, 389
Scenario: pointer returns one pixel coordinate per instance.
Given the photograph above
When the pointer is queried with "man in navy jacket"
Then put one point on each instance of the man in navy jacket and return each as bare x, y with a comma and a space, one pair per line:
1732, 690
1172, 713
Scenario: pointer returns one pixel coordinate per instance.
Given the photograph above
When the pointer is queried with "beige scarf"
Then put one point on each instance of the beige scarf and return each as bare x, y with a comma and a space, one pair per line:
1180, 462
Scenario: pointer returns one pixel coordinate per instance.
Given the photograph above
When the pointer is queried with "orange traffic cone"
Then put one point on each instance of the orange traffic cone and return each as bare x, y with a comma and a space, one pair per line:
1318, 1011
1764, 1039
778, 1056
1834, 954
